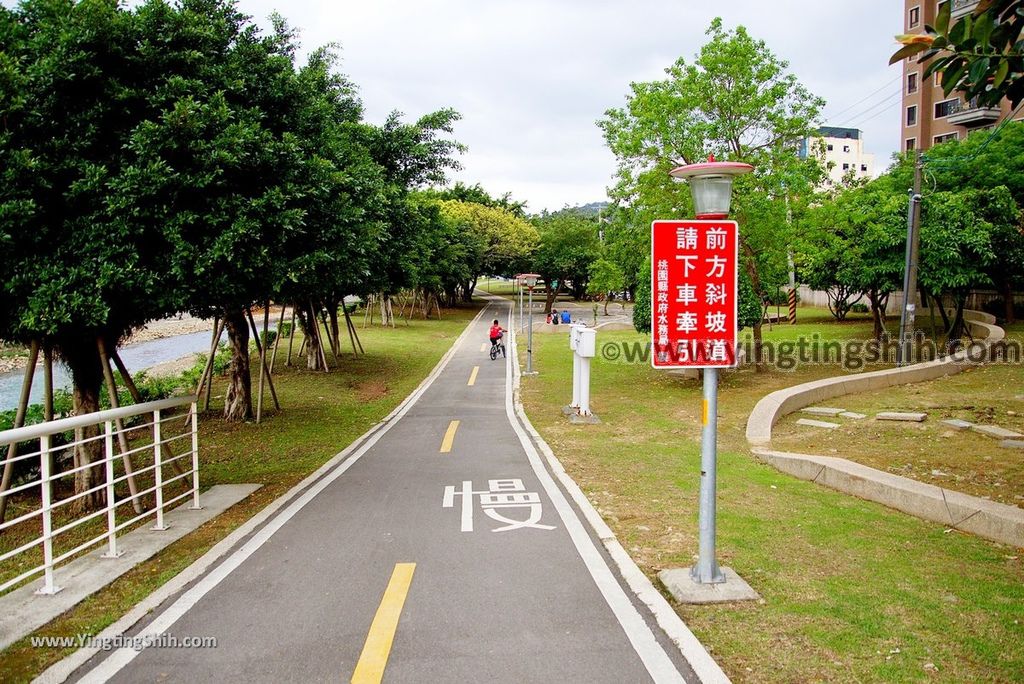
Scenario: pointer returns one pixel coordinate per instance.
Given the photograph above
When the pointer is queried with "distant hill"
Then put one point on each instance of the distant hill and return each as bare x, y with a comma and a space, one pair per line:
592, 209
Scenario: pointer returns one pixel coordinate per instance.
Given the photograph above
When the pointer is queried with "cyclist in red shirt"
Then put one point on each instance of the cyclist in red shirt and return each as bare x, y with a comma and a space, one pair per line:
496, 332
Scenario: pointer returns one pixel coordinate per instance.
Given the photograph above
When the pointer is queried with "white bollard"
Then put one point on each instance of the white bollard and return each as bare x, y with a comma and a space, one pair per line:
586, 349
574, 335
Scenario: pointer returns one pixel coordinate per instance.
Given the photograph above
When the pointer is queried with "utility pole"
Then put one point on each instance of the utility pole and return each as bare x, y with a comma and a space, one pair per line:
907, 324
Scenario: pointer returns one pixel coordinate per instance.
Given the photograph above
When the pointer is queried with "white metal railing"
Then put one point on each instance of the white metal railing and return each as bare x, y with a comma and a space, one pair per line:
145, 447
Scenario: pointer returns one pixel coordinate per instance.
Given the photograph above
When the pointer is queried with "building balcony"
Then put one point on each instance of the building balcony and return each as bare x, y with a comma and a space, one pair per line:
970, 115
962, 8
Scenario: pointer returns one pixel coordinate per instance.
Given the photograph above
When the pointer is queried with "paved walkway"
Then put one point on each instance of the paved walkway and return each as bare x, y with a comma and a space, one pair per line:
441, 552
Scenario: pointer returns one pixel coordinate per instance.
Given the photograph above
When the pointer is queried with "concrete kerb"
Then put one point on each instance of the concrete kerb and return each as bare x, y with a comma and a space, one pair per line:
997, 522
772, 407
63, 669
664, 615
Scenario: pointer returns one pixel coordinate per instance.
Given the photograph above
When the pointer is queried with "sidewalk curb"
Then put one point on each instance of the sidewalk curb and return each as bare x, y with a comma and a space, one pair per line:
61, 670
705, 667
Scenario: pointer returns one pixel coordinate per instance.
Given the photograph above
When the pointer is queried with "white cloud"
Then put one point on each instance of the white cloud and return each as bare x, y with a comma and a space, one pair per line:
531, 77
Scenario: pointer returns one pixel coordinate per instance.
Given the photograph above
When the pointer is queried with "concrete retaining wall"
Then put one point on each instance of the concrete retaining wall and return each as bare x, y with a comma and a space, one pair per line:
782, 402
998, 522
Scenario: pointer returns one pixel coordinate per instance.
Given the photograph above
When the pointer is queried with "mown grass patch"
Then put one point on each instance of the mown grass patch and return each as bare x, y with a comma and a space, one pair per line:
852, 591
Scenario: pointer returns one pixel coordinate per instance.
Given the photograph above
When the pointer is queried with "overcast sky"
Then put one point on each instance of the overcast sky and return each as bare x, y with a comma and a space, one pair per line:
531, 77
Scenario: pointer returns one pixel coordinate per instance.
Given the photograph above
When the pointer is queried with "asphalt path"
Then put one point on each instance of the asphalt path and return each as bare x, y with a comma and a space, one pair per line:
443, 551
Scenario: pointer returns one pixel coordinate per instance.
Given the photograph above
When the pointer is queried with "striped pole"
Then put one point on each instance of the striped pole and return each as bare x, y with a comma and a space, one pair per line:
792, 307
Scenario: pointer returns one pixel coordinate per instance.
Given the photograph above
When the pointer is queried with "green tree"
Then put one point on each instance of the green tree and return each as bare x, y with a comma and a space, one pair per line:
569, 244
736, 100
605, 276
222, 168
73, 86
980, 55
498, 241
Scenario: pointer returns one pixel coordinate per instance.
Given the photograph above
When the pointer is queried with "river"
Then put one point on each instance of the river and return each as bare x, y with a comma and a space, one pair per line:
135, 356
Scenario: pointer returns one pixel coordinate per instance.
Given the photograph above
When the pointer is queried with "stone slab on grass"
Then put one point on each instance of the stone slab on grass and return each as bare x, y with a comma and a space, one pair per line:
822, 410
957, 424
817, 423
1012, 444
684, 590
907, 417
851, 414
996, 431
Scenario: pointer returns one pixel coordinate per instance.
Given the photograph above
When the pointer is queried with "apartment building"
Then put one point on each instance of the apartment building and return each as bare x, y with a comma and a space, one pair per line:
928, 116
842, 150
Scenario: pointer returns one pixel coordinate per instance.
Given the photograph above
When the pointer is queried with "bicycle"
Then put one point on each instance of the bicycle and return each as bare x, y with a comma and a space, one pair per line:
497, 346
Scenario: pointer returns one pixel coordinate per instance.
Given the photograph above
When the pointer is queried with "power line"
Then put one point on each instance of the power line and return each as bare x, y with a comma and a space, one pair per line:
866, 97
884, 110
884, 102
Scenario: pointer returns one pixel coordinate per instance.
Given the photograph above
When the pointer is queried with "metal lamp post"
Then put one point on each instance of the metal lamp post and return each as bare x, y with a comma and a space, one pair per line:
711, 189
530, 281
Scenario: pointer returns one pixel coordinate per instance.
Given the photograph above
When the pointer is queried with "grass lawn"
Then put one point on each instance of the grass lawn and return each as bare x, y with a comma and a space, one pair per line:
930, 451
852, 591
321, 414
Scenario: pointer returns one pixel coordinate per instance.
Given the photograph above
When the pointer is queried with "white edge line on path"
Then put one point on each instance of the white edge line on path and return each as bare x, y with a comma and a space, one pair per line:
705, 667
320, 479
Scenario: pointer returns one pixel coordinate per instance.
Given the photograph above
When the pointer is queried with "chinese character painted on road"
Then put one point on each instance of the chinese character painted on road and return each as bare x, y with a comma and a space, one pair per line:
500, 497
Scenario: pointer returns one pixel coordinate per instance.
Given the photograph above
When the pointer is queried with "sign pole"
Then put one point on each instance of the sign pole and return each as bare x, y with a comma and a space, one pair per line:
529, 339
694, 323
706, 570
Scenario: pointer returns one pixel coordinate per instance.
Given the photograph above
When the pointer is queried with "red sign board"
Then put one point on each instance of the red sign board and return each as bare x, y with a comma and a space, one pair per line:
694, 293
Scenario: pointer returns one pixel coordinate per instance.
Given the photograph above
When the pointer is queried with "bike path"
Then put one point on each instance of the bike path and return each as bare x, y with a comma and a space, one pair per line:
499, 584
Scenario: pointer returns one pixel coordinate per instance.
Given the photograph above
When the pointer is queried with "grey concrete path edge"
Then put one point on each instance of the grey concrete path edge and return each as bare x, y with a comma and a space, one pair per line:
22, 612
997, 522
664, 615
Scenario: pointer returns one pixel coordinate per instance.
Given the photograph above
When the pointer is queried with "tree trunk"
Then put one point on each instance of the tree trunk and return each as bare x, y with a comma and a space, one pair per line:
238, 396
311, 329
755, 282
332, 314
84, 361
552, 295
877, 316
1009, 314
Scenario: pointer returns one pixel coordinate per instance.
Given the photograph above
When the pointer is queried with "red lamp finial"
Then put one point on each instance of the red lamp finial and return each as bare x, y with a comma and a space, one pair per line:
711, 157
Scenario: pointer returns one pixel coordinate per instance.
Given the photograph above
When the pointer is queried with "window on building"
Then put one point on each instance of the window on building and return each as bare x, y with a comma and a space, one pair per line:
914, 17
864, 168
945, 137
829, 147
946, 107
938, 79
846, 148
912, 115
911, 144
846, 167
911, 83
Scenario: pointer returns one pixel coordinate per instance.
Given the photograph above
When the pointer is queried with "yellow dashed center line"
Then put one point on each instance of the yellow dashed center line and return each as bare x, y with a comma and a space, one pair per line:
472, 376
374, 657
449, 437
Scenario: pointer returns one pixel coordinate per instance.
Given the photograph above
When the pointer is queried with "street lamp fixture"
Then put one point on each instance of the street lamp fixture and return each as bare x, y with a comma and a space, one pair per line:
711, 185
530, 281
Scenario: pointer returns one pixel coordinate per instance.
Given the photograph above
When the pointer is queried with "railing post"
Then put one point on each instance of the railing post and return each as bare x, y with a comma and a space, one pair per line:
49, 587
195, 458
108, 461
158, 475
